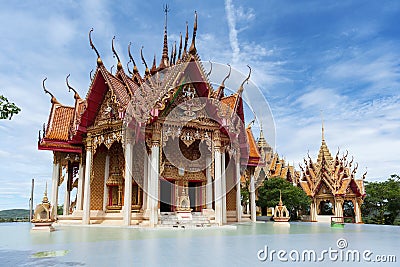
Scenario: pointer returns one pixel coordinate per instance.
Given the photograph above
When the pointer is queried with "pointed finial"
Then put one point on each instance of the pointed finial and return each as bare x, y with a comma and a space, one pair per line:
280, 198
211, 66
119, 65
180, 46
76, 95
135, 69
164, 58
192, 49
227, 76
186, 38
246, 80
220, 91
53, 99
322, 123
147, 71
45, 190
154, 67
111, 69
127, 67
174, 57
90, 75
251, 123
99, 61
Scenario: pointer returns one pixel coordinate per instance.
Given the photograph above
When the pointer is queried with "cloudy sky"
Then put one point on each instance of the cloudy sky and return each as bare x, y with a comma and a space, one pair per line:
342, 57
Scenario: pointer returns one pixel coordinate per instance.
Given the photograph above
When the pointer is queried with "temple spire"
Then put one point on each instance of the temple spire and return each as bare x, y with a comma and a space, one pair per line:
192, 49
180, 46
186, 38
322, 123
164, 59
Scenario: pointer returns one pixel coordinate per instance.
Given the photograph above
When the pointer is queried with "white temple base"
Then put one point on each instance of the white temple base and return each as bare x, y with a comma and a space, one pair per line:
43, 227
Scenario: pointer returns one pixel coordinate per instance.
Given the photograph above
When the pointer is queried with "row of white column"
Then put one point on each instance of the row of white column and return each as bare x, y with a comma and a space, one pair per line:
151, 186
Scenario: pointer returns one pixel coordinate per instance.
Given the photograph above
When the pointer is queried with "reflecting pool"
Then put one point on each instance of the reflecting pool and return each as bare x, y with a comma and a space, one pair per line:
259, 244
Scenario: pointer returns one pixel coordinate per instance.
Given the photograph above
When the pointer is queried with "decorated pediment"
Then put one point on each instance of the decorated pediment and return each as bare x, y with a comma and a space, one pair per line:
108, 111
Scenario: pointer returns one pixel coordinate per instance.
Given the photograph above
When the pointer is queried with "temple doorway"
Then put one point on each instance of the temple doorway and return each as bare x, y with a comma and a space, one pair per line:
348, 209
166, 190
325, 208
195, 195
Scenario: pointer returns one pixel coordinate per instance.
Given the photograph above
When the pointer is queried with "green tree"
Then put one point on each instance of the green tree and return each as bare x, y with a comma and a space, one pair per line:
294, 198
382, 202
7, 109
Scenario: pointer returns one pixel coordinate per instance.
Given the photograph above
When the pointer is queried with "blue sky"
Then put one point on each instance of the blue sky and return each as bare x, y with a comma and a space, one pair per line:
342, 57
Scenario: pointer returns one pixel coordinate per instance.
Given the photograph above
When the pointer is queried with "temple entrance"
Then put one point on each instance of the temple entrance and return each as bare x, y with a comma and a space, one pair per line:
325, 208
166, 190
348, 209
195, 195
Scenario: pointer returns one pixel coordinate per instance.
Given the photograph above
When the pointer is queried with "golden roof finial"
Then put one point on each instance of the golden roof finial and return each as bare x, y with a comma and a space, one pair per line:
280, 198
45, 199
220, 91
53, 99
186, 38
76, 95
135, 69
322, 123
246, 80
127, 67
192, 49
164, 58
211, 66
154, 67
180, 46
147, 71
99, 61
119, 65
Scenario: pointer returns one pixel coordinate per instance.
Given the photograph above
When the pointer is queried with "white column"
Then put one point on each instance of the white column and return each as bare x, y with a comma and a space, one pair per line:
252, 199
313, 210
238, 194
209, 183
149, 184
106, 175
217, 185
128, 184
145, 181
88, 171
155, 163
81, 179
66, 195
223, 187
357, 211
54, 185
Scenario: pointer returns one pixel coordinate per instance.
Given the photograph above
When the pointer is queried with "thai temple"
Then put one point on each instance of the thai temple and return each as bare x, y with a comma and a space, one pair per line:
331, 183
166, 148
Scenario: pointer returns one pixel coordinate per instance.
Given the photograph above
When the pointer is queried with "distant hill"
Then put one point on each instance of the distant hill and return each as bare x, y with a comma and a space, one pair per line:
14, 213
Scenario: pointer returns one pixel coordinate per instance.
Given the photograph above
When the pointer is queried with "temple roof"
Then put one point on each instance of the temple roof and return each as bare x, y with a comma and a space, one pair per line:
338, 174
254, 154
59, 122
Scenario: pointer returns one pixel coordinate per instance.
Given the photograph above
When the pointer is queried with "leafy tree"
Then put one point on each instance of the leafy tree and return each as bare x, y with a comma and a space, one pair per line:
7, 109
382, 202
294, 198
245, 193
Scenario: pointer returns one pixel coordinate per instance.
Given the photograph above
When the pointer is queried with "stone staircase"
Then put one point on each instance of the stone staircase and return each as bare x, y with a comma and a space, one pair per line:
171, 220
